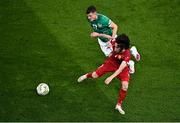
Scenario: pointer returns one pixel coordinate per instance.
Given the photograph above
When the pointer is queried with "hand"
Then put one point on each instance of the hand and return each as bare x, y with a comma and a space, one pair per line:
108, 80
94, 34
110, 44
113, 39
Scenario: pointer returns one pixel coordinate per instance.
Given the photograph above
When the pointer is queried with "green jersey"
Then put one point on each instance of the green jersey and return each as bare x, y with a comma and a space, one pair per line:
101, 25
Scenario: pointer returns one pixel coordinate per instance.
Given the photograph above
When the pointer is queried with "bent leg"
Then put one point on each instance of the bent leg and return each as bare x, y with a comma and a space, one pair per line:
104, 68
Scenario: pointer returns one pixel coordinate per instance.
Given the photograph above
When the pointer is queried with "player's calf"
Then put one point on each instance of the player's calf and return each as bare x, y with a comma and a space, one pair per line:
88, 75
94, 75
122, 96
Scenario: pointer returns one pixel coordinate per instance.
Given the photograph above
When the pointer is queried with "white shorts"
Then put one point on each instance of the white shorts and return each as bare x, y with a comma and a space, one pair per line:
105, 47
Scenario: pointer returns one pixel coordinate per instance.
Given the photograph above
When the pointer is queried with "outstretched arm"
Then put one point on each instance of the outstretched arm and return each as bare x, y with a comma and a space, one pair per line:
117, 72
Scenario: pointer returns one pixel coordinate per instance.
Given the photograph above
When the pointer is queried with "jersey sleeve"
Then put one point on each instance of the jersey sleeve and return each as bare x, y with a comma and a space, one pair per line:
106, 21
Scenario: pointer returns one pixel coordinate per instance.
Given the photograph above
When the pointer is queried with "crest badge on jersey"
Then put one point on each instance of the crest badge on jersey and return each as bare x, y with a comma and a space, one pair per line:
99, 25
94, 26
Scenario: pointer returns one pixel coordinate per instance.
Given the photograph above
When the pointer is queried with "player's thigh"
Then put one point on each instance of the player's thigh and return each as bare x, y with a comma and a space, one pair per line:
104, 68
124, 78
105, 47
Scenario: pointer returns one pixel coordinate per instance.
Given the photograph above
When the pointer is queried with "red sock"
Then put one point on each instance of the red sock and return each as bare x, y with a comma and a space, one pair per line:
89, 75
122, 96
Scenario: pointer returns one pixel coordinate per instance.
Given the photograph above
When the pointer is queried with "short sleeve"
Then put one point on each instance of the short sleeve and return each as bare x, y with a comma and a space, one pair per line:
106, 21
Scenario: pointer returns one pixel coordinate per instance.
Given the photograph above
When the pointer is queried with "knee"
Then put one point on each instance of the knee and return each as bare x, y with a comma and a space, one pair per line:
125, 86
94, 75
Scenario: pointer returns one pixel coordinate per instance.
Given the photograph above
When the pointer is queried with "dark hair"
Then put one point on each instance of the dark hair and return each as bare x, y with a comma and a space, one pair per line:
91, 9
123, 41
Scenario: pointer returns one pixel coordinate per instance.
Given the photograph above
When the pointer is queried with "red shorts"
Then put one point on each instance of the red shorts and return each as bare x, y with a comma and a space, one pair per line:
109, 67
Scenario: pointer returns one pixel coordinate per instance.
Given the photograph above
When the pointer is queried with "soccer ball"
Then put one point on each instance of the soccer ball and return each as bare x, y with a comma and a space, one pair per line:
42, 89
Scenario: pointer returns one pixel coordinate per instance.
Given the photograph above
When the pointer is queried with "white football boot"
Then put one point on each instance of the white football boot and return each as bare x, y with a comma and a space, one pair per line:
81, 78
131, 66
135, 53
119, 108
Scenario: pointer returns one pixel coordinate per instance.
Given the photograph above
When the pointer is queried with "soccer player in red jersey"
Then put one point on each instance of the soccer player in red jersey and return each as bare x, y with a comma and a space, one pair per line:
117, 63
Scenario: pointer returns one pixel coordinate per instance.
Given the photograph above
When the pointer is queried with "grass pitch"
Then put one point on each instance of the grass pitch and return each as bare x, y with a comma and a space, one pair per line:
48, 41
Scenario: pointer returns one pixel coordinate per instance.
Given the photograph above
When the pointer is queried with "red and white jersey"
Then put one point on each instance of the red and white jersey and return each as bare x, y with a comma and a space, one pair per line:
116, 59
124, 56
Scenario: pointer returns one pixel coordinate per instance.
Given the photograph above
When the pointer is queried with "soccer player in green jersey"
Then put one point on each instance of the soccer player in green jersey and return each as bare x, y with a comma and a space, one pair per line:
105, 31
101, 25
